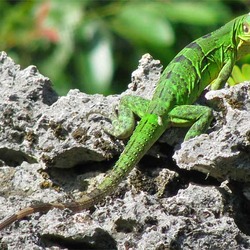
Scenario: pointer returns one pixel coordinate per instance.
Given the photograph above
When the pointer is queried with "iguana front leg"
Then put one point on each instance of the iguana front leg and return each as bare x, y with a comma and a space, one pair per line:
223, 75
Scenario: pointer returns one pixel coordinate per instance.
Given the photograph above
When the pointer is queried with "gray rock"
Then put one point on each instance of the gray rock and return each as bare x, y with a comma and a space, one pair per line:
43, 137
225, 152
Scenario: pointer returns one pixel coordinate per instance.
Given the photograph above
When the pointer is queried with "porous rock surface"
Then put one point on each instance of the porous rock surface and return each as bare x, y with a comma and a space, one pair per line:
50, 146
223, 153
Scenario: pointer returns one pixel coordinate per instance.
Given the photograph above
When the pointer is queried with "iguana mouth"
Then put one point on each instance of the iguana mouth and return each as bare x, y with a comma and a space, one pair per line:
244, 39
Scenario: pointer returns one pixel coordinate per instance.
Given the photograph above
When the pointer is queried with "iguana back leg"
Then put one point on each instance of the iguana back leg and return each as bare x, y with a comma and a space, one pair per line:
124, 122
198, 117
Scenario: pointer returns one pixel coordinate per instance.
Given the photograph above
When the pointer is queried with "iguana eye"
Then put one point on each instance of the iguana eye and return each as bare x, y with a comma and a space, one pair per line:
245, 28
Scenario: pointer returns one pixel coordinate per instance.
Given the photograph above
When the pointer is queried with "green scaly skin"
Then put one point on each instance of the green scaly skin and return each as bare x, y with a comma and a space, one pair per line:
206, 60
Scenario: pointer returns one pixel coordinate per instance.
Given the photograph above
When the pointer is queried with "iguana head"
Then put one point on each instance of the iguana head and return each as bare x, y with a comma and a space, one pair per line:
244, 29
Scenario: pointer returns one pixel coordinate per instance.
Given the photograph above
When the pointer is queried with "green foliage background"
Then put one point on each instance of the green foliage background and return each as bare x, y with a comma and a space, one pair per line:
95, 45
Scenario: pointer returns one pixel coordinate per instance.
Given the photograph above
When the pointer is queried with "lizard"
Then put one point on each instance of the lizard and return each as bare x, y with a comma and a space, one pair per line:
206, 61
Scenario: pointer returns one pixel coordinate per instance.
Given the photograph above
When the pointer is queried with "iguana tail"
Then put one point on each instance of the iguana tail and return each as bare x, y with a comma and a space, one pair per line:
146, 133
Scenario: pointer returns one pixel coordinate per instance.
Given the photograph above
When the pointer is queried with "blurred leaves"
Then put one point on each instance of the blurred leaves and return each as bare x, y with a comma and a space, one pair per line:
198, 13
95, 45
149, 27
239, 74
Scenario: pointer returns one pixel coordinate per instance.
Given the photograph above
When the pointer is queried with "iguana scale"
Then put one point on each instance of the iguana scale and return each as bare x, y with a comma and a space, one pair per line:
207, 60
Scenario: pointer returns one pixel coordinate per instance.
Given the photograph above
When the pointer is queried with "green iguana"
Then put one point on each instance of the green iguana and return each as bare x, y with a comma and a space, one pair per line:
207, 60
